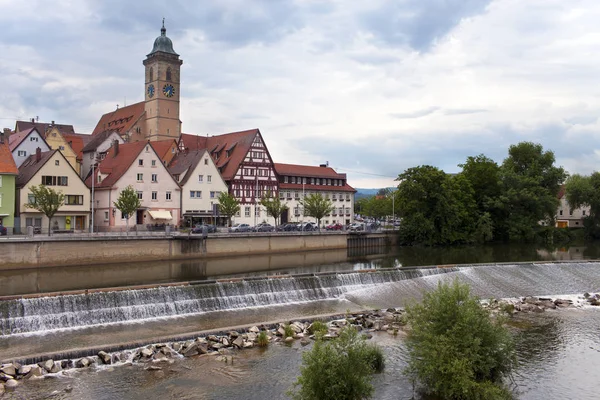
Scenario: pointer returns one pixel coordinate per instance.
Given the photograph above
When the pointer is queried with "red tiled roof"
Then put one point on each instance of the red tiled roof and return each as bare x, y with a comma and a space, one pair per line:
121, 120
7, 163
163, 149
116, 166
307, 171
15, 139
561, 192
237, 142
43, 127
77, 141
321, 188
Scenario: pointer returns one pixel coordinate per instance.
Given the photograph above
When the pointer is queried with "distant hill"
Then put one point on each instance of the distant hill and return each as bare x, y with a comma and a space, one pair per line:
362, 193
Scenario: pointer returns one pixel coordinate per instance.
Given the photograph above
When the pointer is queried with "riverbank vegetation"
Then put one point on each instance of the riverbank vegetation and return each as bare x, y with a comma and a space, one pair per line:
514, 201
339, 368
456, 350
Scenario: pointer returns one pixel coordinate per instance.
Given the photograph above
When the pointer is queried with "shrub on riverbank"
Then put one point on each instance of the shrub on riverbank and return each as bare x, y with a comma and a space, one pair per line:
456, 350
340, 368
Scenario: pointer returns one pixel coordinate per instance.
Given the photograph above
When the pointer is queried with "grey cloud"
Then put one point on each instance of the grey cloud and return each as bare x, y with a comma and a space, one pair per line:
419, 23
462, 111
415, 114
582, 119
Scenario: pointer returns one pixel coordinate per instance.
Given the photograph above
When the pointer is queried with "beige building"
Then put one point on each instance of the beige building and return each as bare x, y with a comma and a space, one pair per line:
52, 169
567, 217
56, 141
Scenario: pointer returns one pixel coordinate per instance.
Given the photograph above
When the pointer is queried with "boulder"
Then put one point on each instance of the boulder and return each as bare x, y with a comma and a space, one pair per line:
83, 363
35, 371
4, 377
369, 323
105, 357
153, 368
225, 342
280, 331
304, 341
177, 347
216, 346
297, 327
11, 384
56, 368
212, 338
146, 352
251, 337
289, 340
47, 365
248, 345
9, 369
1, 389
238, 342
24, 370
547, 303
234, 334
254, 329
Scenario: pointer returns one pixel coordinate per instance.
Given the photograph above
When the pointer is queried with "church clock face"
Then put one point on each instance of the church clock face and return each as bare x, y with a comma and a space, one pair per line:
150, 90
168, 90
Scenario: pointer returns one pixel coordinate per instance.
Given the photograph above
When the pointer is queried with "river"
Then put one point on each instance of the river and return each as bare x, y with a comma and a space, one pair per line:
558, 351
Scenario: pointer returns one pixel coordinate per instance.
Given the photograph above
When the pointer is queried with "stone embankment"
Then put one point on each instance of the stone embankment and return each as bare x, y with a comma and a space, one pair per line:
223, 346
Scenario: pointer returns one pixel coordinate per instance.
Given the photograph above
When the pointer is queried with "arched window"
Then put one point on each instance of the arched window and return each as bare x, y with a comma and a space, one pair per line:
151, 74
169, 73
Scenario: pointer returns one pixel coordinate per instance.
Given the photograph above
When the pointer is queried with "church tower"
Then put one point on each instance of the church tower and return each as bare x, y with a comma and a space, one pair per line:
162, 90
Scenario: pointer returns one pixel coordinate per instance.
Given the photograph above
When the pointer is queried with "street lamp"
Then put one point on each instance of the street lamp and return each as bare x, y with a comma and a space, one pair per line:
93, 179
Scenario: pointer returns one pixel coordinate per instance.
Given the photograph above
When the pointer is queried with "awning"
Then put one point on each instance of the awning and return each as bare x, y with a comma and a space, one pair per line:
160, 214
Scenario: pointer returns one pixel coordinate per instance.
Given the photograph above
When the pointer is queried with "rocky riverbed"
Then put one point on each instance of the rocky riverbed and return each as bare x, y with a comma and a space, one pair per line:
224, 345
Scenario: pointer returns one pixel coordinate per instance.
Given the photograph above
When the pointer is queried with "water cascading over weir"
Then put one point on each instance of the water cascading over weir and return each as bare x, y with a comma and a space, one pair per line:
43, 314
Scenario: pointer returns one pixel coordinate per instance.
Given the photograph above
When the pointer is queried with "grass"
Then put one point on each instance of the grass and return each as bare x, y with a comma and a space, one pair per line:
262, 339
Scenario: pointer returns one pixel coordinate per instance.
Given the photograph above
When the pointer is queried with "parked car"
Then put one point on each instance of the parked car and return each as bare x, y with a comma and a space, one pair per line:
240, 228
200, 228
3, 230
356, 227
308, 227
334, 227
290, 227
263, 228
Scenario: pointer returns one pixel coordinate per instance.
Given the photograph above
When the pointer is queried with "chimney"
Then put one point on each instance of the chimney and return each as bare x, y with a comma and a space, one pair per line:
7, 132
2, 137
52, 123
323, 165
33, 120
115, 148
38, 154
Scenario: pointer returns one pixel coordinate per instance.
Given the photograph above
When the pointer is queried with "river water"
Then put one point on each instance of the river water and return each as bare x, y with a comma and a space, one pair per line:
558, 350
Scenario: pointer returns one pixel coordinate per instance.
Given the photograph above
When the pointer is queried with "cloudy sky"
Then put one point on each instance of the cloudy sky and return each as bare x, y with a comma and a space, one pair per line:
373, 87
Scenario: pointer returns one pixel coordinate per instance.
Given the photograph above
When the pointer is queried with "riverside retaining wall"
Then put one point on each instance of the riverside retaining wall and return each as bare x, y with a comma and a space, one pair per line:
44, 252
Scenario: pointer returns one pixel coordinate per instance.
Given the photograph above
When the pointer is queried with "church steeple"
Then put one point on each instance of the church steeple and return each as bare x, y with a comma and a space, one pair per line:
162, 89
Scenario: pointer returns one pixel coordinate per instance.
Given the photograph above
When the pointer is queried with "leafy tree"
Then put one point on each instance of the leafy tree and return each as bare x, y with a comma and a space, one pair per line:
274, 206
316, 206
47, 201
456, 350
436, 208
582, 191
530, 185
127, 202
338, 369
228, 205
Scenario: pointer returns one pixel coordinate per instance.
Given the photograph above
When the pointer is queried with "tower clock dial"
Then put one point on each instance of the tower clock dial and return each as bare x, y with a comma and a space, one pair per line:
168, 90
151, 90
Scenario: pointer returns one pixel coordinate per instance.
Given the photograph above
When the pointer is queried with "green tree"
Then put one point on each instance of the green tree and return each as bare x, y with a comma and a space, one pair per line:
530, 185
47, 201
436, 208
228, 205
456, 350
339, 369
584, 191
274, 206
316, 206
127, 202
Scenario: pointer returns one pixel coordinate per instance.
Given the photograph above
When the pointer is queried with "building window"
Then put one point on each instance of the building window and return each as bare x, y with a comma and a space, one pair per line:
281, 195
237, 214
140, 195
168, 196
560, 212
0, 199
106, 215
297, 195
0, 180
200, 178
154, 163
570, 212
257, 211
21, 153
247, 211
212, 195
334, 197
56, 162
62, 148
123, 215
151, 74
141, 162
154, 196
195, 194
206, 161
73, 200
140, 177
55, 180
583, 212
33, 139
154, 178
209, 178
169, 73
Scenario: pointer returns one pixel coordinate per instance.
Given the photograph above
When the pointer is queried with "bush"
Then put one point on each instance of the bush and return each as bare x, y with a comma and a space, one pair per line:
456, 351
317, 327
262, 339
288, 331
338, 369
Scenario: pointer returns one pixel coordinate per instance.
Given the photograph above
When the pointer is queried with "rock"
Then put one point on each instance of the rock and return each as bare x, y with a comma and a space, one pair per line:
105, 357
251, 337
24, 370
177, 347
11, 384
254, 329
83, 363
369, 323
1, 389
289, 340
225, 342
216, 346
212, 338
145, 352
563, 303
4, 377
153, 368
36, 371
297, 327
234, 334
238, 342
9, 369
47, 365
248, 345
280, 331
547, 303
69, 389
305, 341
56, 368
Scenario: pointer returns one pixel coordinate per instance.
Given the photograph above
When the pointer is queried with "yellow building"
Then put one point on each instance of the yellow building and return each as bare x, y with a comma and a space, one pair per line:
57, 141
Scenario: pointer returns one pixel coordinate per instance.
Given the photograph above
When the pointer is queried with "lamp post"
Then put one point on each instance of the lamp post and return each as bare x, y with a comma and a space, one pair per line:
303, 203
93, 179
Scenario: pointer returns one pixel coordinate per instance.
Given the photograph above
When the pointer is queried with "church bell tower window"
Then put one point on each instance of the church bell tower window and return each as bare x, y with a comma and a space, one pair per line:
169, 73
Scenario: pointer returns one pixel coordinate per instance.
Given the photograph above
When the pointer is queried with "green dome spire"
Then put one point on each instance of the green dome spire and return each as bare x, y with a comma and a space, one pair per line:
163, 43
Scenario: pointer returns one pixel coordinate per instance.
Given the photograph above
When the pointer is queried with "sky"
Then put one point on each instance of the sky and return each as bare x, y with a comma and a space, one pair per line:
371, 87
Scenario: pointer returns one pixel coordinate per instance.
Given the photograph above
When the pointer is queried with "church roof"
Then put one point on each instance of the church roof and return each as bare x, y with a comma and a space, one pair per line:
163, 43
121, 120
